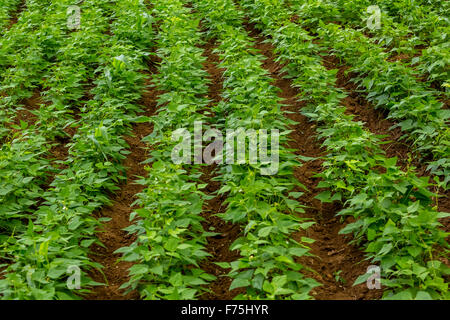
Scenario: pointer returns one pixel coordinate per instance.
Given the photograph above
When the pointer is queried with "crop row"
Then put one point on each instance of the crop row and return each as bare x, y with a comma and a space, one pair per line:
394, 87
170, 239
393, 209
27, 163
28, 46
404, 27
27, 160
22, 63
61, 230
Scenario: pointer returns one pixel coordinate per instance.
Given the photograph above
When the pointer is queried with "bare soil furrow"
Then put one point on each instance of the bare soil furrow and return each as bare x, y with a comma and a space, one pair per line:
217, 246
15, 16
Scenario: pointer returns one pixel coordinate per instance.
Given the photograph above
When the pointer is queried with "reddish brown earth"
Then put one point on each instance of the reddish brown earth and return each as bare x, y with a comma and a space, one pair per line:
332, 251
399, 57
374, 119
219, 245
15, 16
25, 112
112, 234
215, 73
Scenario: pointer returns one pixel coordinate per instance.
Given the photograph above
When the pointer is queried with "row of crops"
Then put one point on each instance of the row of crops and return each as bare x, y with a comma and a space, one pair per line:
48, 227
379, 195
70, 96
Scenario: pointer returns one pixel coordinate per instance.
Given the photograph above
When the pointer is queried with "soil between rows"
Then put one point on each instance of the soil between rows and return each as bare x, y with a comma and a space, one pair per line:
112, 234
333, 252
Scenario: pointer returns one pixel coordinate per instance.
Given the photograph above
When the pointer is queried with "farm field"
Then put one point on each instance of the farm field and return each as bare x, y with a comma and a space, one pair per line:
224, 149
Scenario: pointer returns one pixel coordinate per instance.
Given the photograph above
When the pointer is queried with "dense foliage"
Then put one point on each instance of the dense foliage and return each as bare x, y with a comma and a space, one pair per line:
69, 97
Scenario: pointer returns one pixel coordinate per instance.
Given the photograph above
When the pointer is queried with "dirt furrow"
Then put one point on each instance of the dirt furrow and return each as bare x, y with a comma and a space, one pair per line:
112, 235
15, 16
217, 246
337, 263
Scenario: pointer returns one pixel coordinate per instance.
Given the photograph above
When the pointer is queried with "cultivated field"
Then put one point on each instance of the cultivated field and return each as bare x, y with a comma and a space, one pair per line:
224, 149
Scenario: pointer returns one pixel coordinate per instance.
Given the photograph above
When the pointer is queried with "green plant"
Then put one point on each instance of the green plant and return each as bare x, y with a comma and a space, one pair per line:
264, 205
171, 240
338, 278
395, 217
61, 230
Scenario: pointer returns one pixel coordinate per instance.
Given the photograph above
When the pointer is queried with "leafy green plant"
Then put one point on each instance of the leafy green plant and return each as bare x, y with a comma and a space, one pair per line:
338, 278
171, 240
268, 267
61, 230
395, 218
391, 85
7, 8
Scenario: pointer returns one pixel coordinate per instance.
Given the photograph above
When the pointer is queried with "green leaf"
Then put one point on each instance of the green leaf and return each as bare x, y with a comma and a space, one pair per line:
296, 195
258, 281
403, 295
264, 232
138, 269
238, 283
223, 265
157, 270
362, 278
299, 252
267, 286
171, 244
55, 273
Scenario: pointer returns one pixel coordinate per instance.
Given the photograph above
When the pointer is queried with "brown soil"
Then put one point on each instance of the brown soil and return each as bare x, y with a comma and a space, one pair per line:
332, 251
216, 74
219, 245
399, 57
112, 234
15, 16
